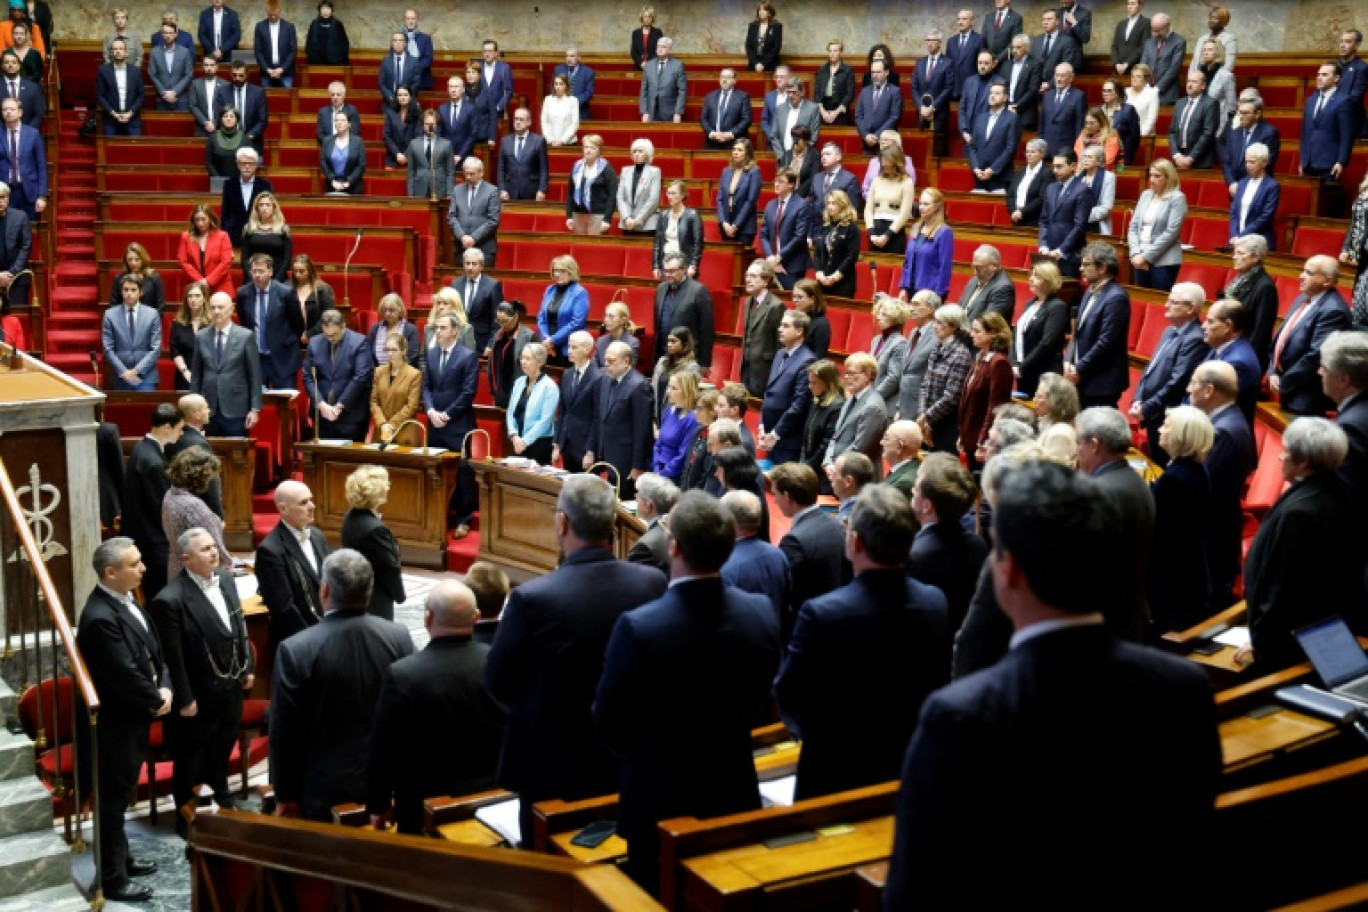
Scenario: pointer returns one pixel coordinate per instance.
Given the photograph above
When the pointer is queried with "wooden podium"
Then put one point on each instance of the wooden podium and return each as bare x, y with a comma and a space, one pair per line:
420, 487
517, 530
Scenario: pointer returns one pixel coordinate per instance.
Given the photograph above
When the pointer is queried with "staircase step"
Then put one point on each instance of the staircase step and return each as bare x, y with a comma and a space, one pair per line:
16, 755
9, 703
34, 861
76, 251
25, 806
73, 340
73, 319
69, 271
65, 898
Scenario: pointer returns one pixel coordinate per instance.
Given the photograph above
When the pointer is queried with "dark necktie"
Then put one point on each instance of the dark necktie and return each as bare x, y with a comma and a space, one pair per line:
1320, 105
517, 149
878, 93
1049, 43
132, 324
218, 348
668, 310
427, 147
398, 70
441, 367
779, 220
14, 88
261, 322
14, 156
1187, 119
722, 110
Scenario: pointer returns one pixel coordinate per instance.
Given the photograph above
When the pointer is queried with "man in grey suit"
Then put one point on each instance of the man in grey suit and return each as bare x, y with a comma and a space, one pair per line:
656, 497
990, 289
1164, 53
762, 312
793, 111
226, 371
475, 210
430, 165
686, 302
171, 68
1196, 121
208, 97
480, 293
919, 347
131, 333
664, 86
861, 424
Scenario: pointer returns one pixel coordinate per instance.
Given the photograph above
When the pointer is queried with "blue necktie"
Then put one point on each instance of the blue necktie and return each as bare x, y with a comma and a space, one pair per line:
261, 322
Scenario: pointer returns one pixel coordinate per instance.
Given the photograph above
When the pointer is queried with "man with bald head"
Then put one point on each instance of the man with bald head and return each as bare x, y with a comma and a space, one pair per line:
436, 730
622, 434
196, 414
289, 563
226, 371
1294, 371
902, 443
1214, 388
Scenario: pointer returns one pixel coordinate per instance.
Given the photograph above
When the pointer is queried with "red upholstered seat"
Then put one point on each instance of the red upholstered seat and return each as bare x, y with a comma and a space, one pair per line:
1266, 484
1152, 329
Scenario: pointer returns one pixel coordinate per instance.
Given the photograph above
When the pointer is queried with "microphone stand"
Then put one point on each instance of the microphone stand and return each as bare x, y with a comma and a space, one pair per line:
314, 371
346, 289
617, 477
422, 429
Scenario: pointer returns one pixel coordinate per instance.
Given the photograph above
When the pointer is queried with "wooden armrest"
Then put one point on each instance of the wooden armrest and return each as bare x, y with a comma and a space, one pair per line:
1182, 640
768, 735
445, 809
350, 814
552, 817
1246, 696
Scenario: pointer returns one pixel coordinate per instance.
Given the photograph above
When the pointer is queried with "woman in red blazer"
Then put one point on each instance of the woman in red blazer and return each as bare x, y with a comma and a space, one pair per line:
206, 252
989, 384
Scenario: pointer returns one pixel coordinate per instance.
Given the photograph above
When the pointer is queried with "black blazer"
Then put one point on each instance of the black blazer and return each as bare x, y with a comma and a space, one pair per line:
1129, 50
191, 633
363, 531
883, 633
986, 633
356, 165
644, 51
109, 456
125, 662
1035, 195
836, 248
1026, 99
480, 307
949, 557
1260, 298
145, 486
768, 52
436, 732
690, 239
232, 214
692, 309
602, 194
153, 292
1179, 585
817, 433
193, 437
843, 88
398, 134
624, 435
1043, 340
579, 402
545, 665
288, 584
1126, 606
815, 548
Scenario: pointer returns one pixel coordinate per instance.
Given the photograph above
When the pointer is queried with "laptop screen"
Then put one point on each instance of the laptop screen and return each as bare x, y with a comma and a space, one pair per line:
1332, 649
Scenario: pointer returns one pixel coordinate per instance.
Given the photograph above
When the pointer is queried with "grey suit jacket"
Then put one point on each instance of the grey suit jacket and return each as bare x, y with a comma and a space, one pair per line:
651, 549
141, 350
231, 387
914, 369
663, 92
480, 221
891, 358
760, 342
809, 115
420, 175
861, 430
1163, 248
199, 102
999, 296
1167, 67
644, 206
176, 79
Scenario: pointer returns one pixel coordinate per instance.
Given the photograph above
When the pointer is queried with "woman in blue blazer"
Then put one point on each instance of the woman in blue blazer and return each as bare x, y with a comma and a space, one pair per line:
1255, 216
343, 159
1125, 122
930, 245
678, 424
564, 308
738, 192
532, 407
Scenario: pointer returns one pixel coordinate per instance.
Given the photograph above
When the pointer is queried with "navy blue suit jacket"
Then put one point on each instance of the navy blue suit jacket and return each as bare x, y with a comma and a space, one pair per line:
230, 33
1233, 161
1060, 124
324, 128
390, 82
1166, 377
1298, 369
624, 436
1262, 209
1230, 462
107, 92
1328, 140
758, 567
579, 404
466, 131
785, 406
793, 234
581, 85
453, 392
1064, 217
965, 57
32, 161
288, 48
998, 150
500, 87
1353, 420
973, 100
343, 379
872, 118
1099, 343
883, 633
523, 178
940, 87
738, 117
284, 326
817, 191
1126, 123
1241, 355
254, 115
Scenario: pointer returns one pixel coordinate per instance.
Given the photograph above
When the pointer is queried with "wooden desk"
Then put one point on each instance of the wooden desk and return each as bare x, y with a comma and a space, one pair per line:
1246, 740
420, 487
516, 525
237, 459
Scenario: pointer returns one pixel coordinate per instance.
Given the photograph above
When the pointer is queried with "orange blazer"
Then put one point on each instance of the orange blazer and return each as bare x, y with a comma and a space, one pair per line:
218, 260
398, 400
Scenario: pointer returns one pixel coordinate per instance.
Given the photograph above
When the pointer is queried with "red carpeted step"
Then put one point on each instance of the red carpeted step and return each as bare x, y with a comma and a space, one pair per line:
75, 251
74, 341
461, 554
68, 320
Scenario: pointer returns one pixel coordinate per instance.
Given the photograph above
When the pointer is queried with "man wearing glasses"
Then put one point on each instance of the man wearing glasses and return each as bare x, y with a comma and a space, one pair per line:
793, 110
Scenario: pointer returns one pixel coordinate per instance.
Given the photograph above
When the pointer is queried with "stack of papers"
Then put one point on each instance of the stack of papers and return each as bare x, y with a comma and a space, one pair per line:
502, 818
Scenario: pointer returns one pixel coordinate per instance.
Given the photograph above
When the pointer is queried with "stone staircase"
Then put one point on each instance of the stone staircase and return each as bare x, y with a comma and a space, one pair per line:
35, 863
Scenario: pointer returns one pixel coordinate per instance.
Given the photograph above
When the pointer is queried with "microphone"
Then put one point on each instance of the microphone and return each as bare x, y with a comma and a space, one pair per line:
874, 274
314, 370
346, 289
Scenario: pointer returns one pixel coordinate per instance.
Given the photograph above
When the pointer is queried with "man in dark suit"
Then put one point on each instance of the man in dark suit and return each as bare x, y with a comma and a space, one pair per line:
656, 497
832, 176
1104, 439
498, 80
208, 98
119, 92
1164, 53
450, 379
1000, 28
436, 729
398, 69
226, 371
253, 112
1252, 128
1022, 73
784, 407
29, 93
337, 379
124, 658
760, 314
1223, 330
326, 686
480, 293
994, 142
145, 486
475, 210
1004, 748
581, 80
815, 542
686, 302
785, 229
1062, 110
1096, 361
1196, 121
963, 50
944, 553
204, 637
1064, 215
195, 417
679, 712
880, 107
1327, 132
239, 196
16, 239
1181, 348
624, 435
772, 100
458, 120
933, 82
726, 113
1076, 21
881, 633
337, 104
973, 95
990, 289
664, 86
275, 45
755, 565
1231, 460
1294, 371
420, 49
171, 69
1026, 190
289, 563
548, 653
1344, 359
220, 31
1128, 41
579, 401
271, 311
431, 165
1053, 47
523, 168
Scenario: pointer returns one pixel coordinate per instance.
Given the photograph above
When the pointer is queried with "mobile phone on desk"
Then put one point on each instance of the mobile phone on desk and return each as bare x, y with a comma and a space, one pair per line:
595, 834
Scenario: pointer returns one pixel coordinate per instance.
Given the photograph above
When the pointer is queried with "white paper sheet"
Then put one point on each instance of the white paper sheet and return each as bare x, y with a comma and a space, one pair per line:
502, 818
778, 792
1238, 637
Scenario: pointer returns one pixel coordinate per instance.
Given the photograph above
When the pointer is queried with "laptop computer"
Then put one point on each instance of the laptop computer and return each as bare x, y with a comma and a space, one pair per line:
1337, 656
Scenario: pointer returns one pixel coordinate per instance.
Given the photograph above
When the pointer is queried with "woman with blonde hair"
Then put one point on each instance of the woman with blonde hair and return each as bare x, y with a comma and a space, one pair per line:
1097, 131
192, 316
1041, 329
591, 191
1179, 584
138, 265
836, 246
638, 191
889, 345
926, 263
564, 308
680, 227
1143, 97
393, 321
677, 425
560, 114
888, 204
206, 251
367, 490
447, 300
828, 398
267, 233
617, 327
1220, 82
532, 407
697, 466
643, 45
396, 394
1156, 251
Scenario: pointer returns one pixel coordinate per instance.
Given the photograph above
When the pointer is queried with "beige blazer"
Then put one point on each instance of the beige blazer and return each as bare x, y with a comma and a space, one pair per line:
398, 400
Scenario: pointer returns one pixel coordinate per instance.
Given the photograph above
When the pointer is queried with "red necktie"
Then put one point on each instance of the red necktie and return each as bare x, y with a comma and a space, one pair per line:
998, 27
1290, 325
777, 222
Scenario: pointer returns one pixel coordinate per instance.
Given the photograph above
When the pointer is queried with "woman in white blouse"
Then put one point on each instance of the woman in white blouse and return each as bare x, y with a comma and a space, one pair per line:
560, 114
1144, 98
1156, 253
1095, 171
